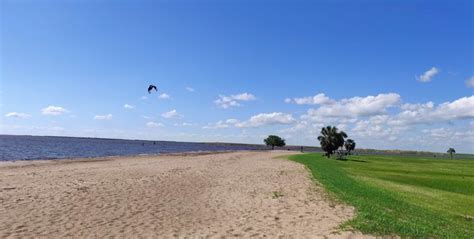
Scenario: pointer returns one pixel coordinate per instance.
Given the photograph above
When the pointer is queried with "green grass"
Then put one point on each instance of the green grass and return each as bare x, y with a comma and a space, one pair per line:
276, 194
406, 196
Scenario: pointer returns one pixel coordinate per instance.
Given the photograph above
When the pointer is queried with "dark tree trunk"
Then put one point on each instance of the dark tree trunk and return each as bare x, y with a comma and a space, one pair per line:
273, 146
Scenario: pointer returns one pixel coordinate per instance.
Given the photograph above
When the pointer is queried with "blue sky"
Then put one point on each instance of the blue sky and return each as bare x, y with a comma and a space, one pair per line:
393, 75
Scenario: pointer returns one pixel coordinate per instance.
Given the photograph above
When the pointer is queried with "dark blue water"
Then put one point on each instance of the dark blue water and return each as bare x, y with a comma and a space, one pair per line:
14, 147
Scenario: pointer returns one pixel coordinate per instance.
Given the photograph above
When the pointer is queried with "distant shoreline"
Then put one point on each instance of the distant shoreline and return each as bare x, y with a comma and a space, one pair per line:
149, 140
26, 147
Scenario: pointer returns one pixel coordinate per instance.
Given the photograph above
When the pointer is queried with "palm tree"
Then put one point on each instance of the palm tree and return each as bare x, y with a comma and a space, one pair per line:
349, 145
331, 139
451, 151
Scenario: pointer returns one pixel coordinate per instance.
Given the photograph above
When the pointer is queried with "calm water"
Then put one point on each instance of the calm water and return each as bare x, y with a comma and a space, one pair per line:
46, 147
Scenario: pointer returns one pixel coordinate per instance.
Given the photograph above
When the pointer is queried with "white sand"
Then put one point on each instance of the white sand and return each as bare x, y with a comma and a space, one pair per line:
240, 194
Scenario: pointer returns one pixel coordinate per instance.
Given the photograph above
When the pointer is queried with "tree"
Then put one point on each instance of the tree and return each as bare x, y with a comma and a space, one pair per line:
451, 151
274, 140
349, 145
331, 139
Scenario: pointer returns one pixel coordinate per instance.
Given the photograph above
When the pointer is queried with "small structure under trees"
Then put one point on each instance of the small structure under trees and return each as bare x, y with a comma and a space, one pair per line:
273, 140
349, 145
332, 141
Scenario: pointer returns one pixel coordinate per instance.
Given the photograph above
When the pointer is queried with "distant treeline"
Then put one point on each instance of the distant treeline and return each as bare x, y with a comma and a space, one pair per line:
356, 152
411, 153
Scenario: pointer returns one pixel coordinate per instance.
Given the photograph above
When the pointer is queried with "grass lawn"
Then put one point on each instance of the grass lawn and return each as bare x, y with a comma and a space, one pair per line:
399, 195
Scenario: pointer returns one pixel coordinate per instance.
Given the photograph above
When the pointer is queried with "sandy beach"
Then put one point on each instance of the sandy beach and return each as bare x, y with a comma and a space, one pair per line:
234, 194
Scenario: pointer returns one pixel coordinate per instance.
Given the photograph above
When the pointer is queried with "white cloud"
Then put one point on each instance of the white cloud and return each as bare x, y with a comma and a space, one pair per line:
171, 114
458, 109
152, 124
190, 89
264, 119
30, 129
462, 108
437, 132
127, 106
226, 102
380, 130
18, 115
243, 97
146, 117
319, 99
353, 107
164, 96
103, 117
144, 97
222, 124
408, 106
450, 134
442, 138
219, 125
376, 128
53, 110
367, 118
470, 82
402, 127
232, 121
184, 124
304, 128
381, 121
428, 75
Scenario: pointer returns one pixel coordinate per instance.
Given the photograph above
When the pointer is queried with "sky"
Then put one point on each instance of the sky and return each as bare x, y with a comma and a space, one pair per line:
391, 74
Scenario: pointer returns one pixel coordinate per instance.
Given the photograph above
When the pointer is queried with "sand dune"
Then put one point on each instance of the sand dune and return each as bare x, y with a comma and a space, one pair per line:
241, 194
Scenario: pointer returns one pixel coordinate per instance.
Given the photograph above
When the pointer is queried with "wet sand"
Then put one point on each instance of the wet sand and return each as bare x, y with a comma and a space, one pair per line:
234, 194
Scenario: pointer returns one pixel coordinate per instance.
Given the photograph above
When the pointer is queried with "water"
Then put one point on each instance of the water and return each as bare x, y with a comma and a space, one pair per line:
46, 147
